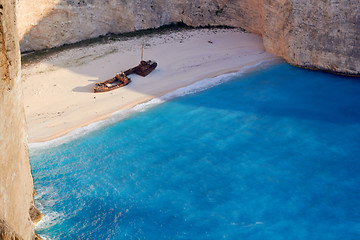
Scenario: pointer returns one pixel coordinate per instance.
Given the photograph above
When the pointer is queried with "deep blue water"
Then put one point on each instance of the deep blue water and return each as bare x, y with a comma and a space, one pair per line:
269, 155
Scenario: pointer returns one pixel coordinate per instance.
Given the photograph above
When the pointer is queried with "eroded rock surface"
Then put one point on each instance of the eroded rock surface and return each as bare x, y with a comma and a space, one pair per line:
16, 184
315, 34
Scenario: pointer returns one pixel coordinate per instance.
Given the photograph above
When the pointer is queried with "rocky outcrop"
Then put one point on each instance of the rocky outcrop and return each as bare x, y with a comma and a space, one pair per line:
7, 233
16, 185
314, 34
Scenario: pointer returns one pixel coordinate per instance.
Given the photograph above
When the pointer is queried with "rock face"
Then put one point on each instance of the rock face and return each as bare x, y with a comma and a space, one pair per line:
314, 34
16, 185
49, 23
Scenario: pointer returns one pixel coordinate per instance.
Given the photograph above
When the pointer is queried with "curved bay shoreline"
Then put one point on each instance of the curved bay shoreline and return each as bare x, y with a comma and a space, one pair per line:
58, 88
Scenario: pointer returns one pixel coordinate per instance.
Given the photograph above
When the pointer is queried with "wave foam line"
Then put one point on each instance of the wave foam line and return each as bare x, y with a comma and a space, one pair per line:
122, 114
45, 199
49, 219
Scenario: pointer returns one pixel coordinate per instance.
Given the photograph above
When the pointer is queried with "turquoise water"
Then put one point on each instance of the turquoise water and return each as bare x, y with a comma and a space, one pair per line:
268, 155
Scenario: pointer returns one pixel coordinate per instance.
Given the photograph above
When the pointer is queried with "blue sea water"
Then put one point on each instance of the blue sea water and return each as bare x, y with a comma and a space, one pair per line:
273, 154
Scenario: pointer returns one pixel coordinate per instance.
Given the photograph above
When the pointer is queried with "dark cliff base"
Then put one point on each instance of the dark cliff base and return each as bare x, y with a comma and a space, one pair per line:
29, 57
314, 68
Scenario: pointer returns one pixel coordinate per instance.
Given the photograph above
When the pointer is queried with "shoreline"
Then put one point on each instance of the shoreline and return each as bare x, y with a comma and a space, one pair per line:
52, 86
127, 111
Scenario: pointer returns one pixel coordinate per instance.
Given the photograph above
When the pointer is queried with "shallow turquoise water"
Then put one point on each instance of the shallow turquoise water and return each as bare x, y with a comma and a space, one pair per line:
269, 155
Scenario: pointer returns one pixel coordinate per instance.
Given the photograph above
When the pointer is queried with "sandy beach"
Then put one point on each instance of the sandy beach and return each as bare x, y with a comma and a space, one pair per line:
58, 94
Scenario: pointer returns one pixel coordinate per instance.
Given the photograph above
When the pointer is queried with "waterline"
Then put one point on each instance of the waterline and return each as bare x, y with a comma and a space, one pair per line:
268, 155
123, 114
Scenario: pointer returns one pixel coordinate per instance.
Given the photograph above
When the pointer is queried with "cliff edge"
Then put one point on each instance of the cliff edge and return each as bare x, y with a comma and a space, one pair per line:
313, 34
16, 184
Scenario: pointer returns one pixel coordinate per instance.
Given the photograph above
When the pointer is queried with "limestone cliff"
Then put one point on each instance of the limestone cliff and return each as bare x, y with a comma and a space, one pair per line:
320, 34
315, 34
49, 23
16, 185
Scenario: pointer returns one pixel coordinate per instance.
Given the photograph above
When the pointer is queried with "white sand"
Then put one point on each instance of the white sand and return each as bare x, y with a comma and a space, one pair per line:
58, 90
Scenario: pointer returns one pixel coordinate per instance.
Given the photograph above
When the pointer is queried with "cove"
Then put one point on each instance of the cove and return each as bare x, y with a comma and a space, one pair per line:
273, 154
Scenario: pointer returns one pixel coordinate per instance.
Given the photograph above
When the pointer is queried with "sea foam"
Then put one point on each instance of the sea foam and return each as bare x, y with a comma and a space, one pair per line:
50, 217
